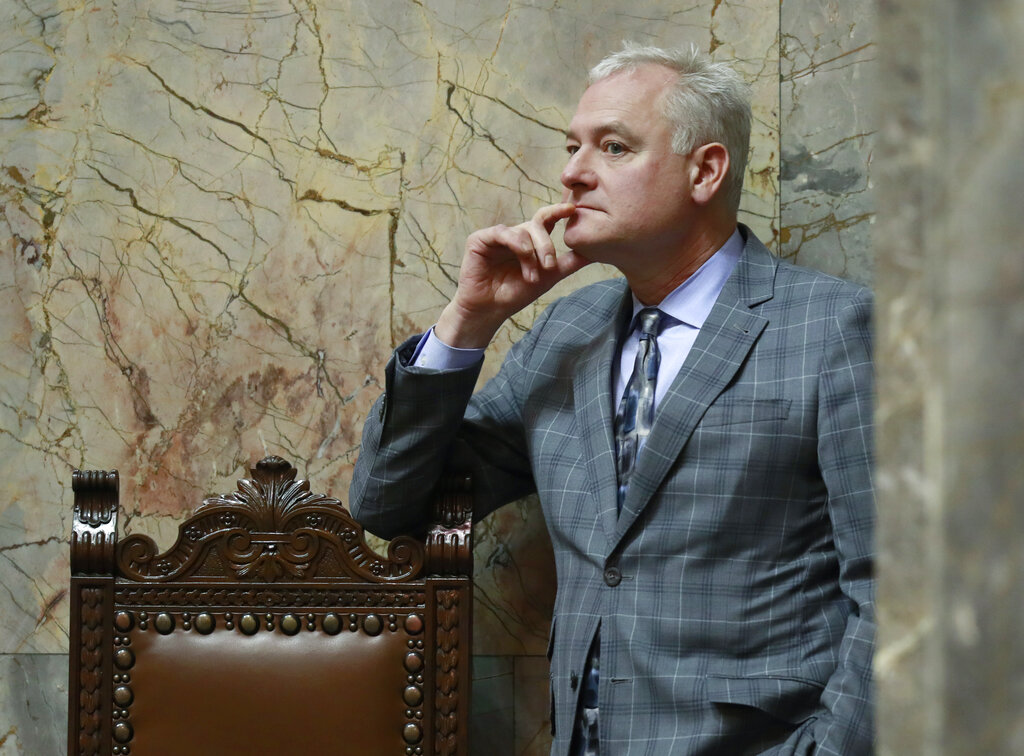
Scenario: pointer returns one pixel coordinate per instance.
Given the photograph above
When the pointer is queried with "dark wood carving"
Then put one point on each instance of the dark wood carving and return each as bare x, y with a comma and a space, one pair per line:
90, 652
94, 529
449, 542
270, 597
272, 528
277, 561
447, 652
93, 540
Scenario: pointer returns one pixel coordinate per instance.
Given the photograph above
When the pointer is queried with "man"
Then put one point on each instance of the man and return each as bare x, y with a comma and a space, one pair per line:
713, 529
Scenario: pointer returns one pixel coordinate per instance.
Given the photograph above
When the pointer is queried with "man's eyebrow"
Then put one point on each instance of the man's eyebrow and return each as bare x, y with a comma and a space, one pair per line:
608, 127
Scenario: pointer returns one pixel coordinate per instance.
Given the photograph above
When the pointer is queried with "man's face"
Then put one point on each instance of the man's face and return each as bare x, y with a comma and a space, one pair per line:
629, 187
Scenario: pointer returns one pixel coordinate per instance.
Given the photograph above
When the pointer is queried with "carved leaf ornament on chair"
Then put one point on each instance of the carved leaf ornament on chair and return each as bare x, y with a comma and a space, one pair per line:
272, 528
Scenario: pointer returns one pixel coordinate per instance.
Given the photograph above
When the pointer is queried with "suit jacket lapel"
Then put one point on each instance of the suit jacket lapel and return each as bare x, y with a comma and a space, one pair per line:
595, 410
722, 345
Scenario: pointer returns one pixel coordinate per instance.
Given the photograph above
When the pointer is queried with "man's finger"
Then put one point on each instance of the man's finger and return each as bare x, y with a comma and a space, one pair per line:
520, 242
497, 243
549, 215
546, 218
542, 244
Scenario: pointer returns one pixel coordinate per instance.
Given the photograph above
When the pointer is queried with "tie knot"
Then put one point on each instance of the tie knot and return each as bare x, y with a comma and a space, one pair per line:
650, 317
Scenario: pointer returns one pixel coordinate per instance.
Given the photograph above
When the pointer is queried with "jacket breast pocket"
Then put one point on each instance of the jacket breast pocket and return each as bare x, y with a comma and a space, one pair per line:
736, 410
783, 698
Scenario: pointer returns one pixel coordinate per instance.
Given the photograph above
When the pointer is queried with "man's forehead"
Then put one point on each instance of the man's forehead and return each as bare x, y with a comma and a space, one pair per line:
624, 102
596, 126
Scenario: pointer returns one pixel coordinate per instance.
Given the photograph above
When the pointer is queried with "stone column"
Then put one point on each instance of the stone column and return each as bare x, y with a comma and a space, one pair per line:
950, 280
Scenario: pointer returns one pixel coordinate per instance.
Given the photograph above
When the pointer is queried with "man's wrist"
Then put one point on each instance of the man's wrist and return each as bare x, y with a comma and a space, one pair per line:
461, 330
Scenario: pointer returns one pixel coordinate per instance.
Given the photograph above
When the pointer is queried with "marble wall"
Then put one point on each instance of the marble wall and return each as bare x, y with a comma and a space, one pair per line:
217, 219
827, 75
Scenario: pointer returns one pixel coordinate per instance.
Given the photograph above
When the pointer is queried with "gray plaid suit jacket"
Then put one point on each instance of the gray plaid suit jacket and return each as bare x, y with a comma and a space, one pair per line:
734, 593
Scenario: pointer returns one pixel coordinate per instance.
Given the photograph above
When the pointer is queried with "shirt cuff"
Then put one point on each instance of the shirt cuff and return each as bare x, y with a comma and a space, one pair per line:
433, 354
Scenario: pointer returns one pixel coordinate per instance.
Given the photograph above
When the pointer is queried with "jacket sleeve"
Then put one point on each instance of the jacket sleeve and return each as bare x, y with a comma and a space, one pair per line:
844, 722
430, 421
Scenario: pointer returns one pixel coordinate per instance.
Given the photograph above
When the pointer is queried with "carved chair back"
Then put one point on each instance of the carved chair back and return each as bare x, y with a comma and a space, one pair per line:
268, 627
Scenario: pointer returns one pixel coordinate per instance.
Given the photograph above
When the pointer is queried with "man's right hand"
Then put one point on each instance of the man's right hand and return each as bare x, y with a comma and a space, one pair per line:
504, 269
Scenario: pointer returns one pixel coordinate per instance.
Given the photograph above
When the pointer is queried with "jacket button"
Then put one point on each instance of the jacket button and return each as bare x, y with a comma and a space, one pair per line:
574, 680
612, 576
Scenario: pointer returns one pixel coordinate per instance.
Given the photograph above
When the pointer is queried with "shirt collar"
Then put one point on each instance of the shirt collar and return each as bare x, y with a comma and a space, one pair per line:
692, 300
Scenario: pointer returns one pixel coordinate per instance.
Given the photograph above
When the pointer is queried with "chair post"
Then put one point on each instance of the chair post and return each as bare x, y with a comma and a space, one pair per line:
93, 543
450, 539
449, 556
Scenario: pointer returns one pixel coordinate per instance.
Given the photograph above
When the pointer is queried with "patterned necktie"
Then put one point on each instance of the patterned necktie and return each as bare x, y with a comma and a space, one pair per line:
633, 421
635, 415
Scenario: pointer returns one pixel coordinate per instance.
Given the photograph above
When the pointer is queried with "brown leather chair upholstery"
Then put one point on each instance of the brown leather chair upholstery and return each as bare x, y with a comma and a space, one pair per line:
268, 628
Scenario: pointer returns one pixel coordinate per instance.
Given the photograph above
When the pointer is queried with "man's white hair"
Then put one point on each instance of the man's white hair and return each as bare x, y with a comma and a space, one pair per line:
710, 103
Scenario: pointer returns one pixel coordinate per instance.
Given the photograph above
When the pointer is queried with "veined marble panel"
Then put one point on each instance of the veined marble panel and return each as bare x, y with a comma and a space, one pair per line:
493, 706
827, 71
218, 218
33, 704
533, 709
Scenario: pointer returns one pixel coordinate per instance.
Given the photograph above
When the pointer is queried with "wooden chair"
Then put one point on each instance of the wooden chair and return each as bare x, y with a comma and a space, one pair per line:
268, 628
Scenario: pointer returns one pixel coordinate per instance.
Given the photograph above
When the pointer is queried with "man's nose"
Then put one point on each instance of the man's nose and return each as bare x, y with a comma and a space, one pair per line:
577, 172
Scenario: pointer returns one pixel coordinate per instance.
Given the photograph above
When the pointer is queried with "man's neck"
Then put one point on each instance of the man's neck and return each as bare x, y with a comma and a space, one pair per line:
656, 281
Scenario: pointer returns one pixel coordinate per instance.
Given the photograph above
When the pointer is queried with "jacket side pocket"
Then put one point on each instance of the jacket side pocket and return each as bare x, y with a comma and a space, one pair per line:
789, 699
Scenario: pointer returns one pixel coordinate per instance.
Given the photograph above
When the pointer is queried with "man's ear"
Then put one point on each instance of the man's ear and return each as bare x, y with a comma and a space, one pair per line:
709, 164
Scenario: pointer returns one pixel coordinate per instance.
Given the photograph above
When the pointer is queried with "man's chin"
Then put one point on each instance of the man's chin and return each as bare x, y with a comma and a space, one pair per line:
588, 248
577, 244
577, 240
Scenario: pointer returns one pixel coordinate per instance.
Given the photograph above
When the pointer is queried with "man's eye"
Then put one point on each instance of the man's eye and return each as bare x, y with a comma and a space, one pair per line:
572, 149
614, 148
